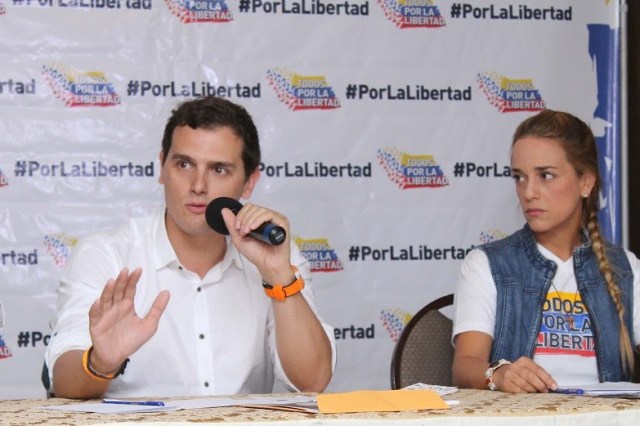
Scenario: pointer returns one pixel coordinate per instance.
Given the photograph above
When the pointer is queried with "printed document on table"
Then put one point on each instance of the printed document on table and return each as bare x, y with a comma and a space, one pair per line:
267, 399
184, 404
611, 389
102, 408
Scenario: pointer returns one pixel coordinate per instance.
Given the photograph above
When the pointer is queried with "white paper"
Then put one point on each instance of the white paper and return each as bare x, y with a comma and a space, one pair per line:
102, 408
439, 389
182, 404
611, 388
187, 404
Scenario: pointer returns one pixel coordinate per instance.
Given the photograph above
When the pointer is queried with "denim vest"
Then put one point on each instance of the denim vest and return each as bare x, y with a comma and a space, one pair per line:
522, 276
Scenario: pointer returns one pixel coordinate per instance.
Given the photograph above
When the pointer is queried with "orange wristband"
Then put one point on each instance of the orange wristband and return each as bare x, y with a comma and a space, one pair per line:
86, 365
280, 292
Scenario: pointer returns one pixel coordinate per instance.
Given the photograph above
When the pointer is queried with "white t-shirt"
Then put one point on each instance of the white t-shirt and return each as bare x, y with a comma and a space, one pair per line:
216, 336
565, 347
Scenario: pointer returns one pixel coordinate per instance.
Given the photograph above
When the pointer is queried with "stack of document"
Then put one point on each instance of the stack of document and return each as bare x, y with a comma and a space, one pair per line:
606, 389
439, 389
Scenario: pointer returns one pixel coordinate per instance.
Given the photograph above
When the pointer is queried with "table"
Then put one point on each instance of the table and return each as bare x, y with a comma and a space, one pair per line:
477, 407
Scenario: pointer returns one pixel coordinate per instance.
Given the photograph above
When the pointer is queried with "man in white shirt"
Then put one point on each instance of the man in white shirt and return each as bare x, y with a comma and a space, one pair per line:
164, 306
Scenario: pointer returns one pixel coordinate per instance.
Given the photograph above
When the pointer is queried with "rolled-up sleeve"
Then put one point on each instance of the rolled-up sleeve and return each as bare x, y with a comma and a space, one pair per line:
89, 268
307, 292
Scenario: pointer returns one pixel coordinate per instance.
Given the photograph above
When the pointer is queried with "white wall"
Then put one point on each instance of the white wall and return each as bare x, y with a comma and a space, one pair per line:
467, 76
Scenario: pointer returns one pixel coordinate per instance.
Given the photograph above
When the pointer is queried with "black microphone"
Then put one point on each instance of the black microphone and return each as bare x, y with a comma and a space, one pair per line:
267, 232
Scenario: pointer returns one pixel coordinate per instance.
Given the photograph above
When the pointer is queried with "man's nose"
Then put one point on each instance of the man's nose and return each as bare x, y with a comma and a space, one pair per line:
199, 183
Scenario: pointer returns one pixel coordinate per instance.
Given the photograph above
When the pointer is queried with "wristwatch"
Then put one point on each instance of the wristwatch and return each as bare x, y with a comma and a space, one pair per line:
489, 373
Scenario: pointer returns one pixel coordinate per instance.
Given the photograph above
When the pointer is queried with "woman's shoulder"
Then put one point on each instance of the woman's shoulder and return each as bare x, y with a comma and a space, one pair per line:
514, 239
476, 259
634, 262
621, 260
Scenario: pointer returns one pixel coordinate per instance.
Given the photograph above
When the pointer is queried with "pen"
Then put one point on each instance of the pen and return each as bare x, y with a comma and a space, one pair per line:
569, 391
120, 401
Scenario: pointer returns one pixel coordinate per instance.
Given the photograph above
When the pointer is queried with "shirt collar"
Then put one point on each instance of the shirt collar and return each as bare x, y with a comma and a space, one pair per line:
231, 255
165, 255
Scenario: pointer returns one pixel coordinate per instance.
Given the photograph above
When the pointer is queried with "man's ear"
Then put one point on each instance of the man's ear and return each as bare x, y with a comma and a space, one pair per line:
250, 184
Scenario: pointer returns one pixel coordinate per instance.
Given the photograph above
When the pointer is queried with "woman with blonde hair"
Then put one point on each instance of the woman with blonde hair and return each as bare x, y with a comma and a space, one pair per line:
552, 305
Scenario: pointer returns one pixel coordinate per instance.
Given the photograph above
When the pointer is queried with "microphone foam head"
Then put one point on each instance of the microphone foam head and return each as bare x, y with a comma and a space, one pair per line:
214, 213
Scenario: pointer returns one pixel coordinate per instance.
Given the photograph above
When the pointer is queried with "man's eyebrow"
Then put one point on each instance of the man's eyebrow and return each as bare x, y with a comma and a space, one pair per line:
225, 164
183, 157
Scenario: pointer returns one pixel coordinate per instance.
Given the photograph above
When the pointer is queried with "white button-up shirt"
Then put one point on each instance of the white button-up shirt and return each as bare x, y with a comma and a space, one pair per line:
216, 336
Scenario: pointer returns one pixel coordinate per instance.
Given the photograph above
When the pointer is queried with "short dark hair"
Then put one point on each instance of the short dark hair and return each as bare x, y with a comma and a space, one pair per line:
212, 112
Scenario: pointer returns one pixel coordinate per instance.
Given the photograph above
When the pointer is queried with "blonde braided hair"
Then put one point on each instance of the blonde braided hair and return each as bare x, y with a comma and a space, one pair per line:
579, 145
597, 243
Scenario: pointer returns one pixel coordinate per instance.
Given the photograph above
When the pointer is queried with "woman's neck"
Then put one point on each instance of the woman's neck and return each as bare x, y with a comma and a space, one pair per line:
560, 245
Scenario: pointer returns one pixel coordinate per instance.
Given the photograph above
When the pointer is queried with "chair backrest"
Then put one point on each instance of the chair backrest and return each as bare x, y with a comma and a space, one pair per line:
44, 377
424, 352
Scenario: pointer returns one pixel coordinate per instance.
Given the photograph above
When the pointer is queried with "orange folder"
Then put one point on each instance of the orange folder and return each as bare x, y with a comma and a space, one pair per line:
392, 400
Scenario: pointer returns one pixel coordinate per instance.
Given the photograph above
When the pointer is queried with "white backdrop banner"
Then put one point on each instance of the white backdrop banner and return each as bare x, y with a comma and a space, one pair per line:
385, 127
